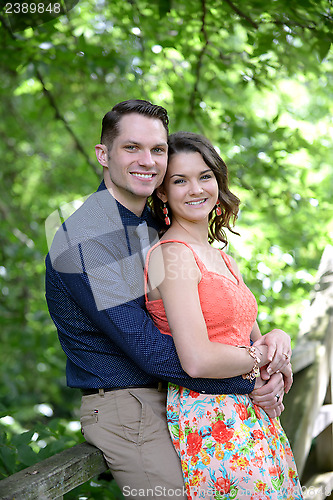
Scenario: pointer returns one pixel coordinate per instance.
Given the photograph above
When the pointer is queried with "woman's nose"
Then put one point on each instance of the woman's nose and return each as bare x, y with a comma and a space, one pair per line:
196, 188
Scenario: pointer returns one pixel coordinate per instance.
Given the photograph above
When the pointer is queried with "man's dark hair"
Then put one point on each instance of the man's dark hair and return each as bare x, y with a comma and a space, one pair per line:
110, 123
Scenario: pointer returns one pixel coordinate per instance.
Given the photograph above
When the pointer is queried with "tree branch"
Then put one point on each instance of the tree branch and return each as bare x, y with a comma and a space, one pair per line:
195, 91
241, 14
53, 103
60, 117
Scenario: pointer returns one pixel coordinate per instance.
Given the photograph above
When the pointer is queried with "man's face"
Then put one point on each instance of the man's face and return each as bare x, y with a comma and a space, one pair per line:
137, 161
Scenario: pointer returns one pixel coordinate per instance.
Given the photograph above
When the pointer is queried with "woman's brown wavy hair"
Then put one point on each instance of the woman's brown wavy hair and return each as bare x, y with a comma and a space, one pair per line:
188, 142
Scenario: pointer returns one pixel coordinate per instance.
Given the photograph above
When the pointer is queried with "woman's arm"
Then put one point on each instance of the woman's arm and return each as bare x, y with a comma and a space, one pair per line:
199, 356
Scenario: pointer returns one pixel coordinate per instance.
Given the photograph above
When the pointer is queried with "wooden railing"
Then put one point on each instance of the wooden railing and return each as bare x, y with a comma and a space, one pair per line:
55, 476
307, 418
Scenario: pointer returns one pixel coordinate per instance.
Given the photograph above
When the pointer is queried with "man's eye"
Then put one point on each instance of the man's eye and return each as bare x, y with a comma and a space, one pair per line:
159, 150
130, 147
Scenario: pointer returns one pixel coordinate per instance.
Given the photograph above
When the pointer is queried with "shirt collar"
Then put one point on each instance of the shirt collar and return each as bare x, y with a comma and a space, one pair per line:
128, 218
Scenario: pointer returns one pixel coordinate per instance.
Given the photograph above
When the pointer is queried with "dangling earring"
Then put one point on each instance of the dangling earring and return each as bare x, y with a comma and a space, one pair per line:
166, 218
218, 208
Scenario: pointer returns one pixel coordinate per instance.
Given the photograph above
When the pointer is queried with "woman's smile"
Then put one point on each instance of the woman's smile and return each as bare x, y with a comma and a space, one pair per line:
190, 187
196, 202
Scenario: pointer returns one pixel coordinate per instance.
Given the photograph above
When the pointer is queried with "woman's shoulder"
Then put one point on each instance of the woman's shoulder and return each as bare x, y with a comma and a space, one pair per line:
173, 260
232, 263
173, 250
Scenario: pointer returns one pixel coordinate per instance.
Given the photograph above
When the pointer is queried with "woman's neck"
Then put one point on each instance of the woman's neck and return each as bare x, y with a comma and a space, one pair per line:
190, 232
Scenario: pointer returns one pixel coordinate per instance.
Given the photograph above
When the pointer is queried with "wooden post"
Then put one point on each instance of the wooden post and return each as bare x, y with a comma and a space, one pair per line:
304, 417
324, 443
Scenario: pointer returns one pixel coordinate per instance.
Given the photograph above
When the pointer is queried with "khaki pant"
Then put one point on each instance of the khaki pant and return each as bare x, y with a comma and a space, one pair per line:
129, 427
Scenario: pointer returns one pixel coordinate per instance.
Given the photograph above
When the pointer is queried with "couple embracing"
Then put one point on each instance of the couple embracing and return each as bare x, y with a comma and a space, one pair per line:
178, 385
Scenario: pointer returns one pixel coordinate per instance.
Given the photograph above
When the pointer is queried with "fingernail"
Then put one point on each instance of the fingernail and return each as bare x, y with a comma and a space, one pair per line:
269, 370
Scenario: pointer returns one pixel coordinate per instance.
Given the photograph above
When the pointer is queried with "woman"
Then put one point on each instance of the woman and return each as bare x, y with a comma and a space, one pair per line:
229, 447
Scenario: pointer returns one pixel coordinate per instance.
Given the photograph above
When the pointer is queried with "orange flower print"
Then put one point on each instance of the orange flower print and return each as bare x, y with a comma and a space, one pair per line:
291, 473
257, 411
194, 442
229, 446
261, 486
239, 462
222, 485
258, 461
219, 454
242, 411
185, 467
205, 457
220, 398
232, 450
272, 429
273, 471
197, 477
221, 433
258, 434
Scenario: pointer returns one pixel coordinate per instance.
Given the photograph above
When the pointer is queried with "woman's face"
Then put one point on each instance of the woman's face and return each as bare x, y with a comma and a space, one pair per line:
190, 187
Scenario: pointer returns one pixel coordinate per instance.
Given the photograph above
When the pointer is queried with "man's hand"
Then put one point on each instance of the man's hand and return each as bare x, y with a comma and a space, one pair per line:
279, 351
269, 395
287, 376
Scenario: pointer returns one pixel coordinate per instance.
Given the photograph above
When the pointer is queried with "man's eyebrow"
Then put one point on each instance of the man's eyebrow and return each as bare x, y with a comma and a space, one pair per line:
132, 141
182, 175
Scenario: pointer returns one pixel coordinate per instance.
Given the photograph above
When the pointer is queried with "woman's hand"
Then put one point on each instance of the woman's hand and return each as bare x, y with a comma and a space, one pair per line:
279, 351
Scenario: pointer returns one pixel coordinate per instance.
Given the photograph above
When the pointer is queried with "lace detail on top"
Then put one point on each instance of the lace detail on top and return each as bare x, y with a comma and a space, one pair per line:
229, 308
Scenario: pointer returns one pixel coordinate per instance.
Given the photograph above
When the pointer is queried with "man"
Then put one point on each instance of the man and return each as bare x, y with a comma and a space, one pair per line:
94, 290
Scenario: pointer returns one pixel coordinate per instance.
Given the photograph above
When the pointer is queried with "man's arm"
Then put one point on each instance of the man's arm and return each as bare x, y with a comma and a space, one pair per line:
130, 327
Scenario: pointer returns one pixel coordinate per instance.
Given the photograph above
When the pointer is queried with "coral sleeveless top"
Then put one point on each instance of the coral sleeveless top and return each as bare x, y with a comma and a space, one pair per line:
228, 307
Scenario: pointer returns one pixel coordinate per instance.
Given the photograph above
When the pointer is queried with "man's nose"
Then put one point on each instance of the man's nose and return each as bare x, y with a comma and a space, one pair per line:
146, 159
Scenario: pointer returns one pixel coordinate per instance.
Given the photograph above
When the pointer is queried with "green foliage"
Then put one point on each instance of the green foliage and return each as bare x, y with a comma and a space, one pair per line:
20, 448
254, 76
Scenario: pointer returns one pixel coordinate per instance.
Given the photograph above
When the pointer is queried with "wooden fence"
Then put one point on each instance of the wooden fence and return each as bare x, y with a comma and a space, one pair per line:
307, 419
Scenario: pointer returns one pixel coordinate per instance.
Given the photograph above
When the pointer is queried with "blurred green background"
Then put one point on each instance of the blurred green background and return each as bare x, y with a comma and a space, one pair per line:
255, 77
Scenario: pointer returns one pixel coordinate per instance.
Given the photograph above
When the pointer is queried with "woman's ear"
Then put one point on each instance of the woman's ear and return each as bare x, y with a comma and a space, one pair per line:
161, 194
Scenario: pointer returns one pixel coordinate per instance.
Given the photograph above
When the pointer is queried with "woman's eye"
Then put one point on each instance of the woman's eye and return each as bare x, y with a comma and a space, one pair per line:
179, 181
206, 176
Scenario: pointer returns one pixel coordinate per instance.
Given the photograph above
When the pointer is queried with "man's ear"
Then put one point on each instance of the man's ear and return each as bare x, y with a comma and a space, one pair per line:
102, 154
161, 194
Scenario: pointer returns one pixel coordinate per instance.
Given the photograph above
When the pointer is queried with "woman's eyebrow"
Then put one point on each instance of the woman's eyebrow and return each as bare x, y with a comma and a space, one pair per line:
177, 175
182, 175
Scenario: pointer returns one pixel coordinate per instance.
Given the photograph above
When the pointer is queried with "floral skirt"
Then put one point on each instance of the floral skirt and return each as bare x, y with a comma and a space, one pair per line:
229, 448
